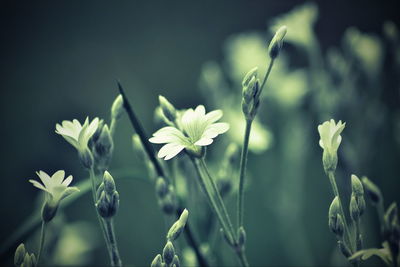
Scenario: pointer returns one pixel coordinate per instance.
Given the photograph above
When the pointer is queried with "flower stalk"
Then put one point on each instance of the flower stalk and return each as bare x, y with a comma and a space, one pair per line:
42, 240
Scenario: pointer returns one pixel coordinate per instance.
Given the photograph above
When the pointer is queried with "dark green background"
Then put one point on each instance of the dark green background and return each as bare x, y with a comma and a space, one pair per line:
60, 60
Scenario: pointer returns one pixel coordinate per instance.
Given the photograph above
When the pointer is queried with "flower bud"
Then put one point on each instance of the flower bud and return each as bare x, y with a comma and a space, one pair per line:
168, 253
249, 76
356, 186
176, 262
329, 161
117, 107
86, 158
19, 255
241, 237
335, 221
157, 262
276, 43
177, 228
104, 145
161, 187
354, 211
109, 184
33, 259
344, 249
168, 110
28, 261
168, 204
372, 190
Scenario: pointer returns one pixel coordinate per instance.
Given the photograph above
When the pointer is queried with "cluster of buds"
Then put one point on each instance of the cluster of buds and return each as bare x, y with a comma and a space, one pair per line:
23, 258
102, 146
335, 220
169, 258
107, 197
165, 195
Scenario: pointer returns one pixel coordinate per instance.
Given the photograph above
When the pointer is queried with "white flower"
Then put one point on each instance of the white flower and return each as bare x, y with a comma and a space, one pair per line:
197, 129
330, 137
56, 186
76, 134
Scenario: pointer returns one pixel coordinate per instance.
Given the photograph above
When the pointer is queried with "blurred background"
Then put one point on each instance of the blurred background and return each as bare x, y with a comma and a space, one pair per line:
60, 60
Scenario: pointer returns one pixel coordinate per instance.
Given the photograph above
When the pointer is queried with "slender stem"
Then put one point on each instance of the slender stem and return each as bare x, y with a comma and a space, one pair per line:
41, 244
115, 258
160, 172
219, 198
381, 212
208, 190
358, 235
348, 239
243, 164
243, 258
271, 63
113, 126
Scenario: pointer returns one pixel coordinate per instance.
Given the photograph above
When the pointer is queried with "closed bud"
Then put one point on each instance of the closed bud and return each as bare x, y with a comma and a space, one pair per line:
335, 221
249, 76
356, 186
241, 237
104, 145
344, 249
157, 262
168, 110
107, 205
86, 158
354, 211
109, 184
276, 43
117, 107
329, 161
33, 259
100, 189
161, 187
27, 261
168, 253
177, 228
168, 204
372, 191
97, 133
250, 90
19, 254
176, 262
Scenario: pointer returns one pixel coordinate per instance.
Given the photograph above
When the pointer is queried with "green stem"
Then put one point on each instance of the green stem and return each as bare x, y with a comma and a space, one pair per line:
41, 244
347, 239
358, 235
243, 164
271, 63
243, 258
115, 258
113, 126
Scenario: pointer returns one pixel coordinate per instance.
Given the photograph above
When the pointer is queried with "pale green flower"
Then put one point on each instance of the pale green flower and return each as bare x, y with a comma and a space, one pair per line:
76, 134
196, 129
55, 186
330, 138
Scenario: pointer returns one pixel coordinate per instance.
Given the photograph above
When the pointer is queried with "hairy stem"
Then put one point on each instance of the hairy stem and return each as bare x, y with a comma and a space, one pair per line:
243, 164
114, 252
41, 244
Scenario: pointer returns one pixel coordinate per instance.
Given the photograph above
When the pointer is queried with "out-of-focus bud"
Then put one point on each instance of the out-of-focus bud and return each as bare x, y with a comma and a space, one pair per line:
19, 255
168, 253
276, 43
372, 190
168, 110
117, 107
176, 262
157, 261
241, 237
177, 228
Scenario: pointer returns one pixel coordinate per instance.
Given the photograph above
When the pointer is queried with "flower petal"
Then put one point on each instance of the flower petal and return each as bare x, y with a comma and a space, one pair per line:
169, 135
38, 185
170, 150
67, 180
204, 142
213, 116
58, 177
45, 178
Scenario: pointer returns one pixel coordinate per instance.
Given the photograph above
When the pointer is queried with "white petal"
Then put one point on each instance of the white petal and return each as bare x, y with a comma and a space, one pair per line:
213, 116
58, 177
67, 181
200, 110
38, 185
168, 135
204, 142
45, 179
170, 150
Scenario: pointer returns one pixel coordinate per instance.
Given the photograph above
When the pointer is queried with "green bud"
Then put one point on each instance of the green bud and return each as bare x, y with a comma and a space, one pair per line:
109, 184
97, 133
344, 249
86, 158
176, 262
168, 253
241, 237
335, 220
157, 262
104, 145
99, 190
107, 205
161, 187
276, 43
356, 186
372, 191
168, 204
354, 211
177, 228
168, 110
250, 90
249, 76
33, 259
49, 211
117, 107
27, 261
19, 254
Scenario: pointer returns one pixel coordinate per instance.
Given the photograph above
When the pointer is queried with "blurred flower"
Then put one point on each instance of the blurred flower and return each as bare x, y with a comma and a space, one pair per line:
56, 186
197, 129
76, 134
300, 21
